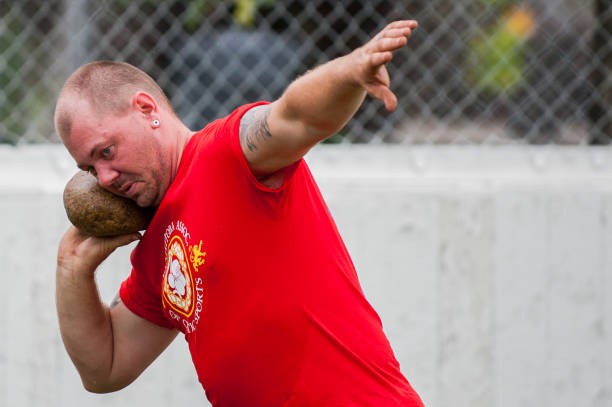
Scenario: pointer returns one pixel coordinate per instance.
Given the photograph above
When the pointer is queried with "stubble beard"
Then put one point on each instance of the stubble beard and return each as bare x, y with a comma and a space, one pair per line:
153, 192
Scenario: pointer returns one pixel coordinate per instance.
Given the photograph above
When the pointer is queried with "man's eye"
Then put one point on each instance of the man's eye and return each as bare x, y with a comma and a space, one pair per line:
106, 152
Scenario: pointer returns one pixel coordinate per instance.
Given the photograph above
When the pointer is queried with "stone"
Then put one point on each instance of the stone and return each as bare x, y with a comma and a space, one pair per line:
98, 212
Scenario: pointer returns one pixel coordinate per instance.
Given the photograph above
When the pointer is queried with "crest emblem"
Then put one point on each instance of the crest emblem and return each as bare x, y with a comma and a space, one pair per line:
178, 279
182, 283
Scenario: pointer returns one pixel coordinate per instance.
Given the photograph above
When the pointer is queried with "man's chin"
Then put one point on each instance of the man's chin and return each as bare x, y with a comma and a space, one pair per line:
145, 201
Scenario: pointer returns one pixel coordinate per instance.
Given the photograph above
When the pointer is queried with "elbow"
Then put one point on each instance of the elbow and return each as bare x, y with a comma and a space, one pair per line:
101, 388
93, 388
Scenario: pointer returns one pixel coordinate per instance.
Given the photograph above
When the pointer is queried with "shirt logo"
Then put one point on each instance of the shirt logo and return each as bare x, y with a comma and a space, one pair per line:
182, 287
178, 279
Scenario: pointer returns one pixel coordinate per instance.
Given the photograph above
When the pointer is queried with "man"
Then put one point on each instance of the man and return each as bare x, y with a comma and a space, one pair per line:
242, 255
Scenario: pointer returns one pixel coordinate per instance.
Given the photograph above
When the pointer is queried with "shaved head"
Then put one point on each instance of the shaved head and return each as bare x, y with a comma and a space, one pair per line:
107, 86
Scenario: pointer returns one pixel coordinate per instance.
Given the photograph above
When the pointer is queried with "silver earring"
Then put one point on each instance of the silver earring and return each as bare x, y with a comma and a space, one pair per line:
155, 123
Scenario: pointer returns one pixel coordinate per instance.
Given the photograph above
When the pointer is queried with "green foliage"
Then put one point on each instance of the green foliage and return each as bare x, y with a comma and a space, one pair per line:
244, 12
495, 63
195, 12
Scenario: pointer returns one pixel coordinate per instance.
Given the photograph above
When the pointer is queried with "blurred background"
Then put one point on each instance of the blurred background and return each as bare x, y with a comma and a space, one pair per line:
476, 71
478, 214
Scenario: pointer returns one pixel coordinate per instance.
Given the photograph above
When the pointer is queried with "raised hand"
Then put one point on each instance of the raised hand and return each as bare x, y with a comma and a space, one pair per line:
79, 252
319, 103
371, 60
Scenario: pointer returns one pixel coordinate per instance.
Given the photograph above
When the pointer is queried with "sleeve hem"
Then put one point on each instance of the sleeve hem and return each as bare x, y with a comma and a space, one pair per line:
239, 154
136, 309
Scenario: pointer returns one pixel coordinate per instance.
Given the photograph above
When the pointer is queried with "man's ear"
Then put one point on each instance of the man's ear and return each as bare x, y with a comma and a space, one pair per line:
144, 103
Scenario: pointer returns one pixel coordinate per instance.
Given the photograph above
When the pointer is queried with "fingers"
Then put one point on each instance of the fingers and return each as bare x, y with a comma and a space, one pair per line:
122, 240
390, 100
74, 234
71, 239
106, 245
376, 54
396, 32
384, 93
75, 237
380, 58
412, 24
394, 36
94, 250
389, 44
79, 250
398, 29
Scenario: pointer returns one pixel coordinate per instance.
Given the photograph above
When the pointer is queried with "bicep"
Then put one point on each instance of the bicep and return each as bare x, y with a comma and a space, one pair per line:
270, 140
136, 343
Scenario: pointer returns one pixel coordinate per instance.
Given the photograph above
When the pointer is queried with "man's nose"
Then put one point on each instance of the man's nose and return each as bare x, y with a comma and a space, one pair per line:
106, 177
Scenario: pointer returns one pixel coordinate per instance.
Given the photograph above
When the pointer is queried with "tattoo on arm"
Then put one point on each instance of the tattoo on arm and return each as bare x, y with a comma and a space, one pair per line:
115, 301
254, 127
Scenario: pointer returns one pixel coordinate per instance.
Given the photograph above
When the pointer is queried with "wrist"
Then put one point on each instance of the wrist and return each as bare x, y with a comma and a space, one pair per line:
346, 70
74, 269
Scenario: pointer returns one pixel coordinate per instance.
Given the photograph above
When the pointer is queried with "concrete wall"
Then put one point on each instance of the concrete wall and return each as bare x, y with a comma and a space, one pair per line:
489, 267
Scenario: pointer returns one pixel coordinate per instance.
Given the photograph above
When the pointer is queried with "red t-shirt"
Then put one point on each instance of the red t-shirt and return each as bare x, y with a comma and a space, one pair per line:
262, 286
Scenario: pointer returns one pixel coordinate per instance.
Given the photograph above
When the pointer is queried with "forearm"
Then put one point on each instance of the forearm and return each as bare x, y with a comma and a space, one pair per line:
85, 326
323, 99
320, 103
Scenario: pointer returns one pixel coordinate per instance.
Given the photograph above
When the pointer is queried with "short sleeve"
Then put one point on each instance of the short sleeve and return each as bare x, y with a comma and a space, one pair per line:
231, 129
140, 296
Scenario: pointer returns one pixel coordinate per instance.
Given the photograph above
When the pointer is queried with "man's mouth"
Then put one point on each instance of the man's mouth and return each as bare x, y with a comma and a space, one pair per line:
128, 189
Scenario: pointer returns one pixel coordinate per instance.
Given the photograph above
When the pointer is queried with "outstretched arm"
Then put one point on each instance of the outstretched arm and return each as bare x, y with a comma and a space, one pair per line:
319, 103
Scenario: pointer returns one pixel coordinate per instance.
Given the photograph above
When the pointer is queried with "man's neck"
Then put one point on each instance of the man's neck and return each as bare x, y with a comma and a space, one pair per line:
181, 140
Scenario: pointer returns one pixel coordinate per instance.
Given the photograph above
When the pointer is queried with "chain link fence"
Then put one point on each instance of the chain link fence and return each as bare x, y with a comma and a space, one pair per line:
475, 71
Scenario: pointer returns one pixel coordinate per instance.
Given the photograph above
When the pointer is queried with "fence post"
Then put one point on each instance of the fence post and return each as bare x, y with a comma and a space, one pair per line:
77, 30
600, 112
